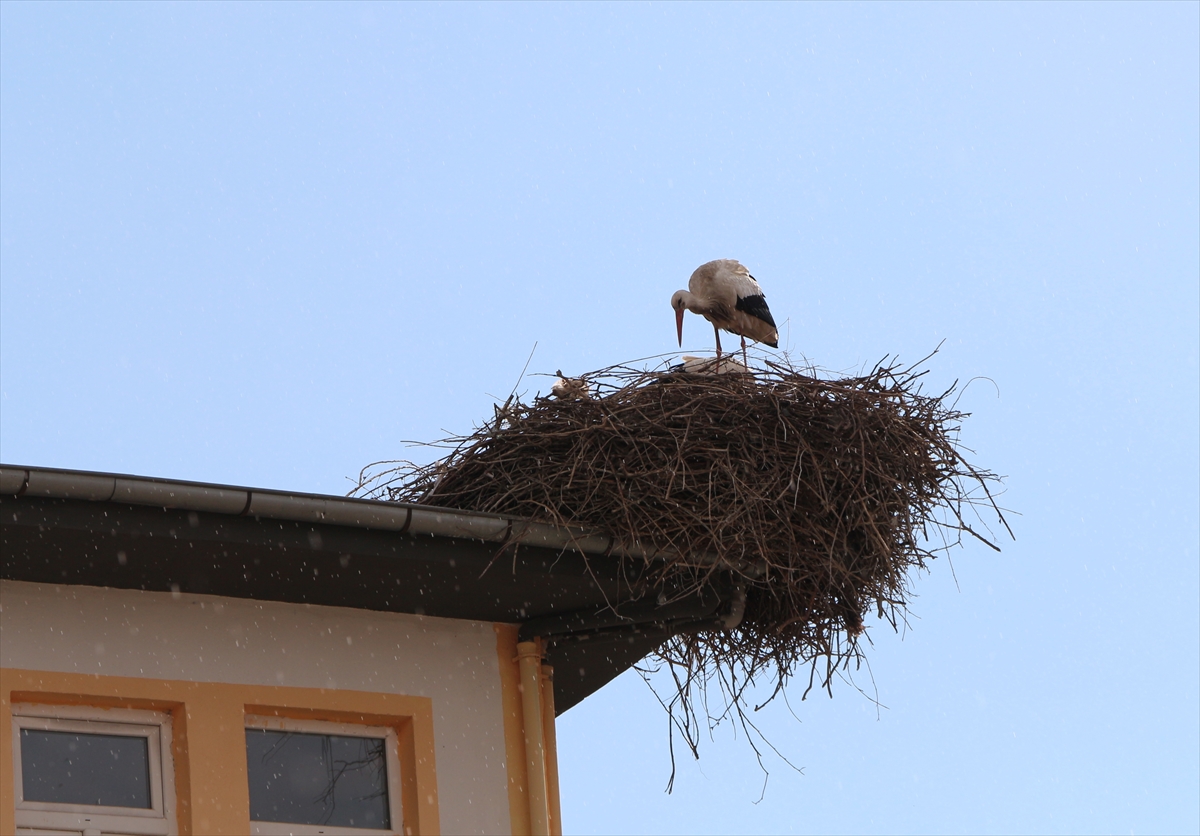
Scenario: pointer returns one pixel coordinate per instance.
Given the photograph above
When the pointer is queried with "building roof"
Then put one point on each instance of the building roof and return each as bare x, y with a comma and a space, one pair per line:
570, 587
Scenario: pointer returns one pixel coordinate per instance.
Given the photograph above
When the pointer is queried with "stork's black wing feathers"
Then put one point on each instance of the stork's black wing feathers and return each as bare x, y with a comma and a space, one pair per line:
756, 306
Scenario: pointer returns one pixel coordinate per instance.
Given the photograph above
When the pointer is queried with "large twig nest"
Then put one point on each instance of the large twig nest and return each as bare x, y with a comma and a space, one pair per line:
822, 496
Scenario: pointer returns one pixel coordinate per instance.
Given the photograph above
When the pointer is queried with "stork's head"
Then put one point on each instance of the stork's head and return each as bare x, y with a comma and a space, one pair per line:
679, 303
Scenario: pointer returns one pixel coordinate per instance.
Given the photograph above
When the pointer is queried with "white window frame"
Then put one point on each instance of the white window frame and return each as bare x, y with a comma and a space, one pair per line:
392, 752
154, 726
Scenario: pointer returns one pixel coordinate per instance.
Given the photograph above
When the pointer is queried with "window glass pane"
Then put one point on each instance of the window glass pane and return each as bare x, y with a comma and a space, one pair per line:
75, 768
303, 778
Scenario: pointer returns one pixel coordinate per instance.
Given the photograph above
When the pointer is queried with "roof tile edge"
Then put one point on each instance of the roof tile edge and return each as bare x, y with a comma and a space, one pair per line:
55, 483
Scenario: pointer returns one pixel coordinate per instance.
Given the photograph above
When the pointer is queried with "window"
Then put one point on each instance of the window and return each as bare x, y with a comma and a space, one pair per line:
92, 770
313, 777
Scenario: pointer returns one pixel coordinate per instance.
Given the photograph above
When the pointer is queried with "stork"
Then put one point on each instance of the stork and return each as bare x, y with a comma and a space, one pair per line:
724, 293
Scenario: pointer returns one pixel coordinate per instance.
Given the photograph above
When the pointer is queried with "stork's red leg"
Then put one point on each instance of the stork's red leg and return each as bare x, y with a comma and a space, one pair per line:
745, 362
717, 331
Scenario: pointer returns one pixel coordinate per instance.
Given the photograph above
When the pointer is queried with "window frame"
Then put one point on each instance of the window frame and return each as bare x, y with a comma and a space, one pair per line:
153, 726
392, 764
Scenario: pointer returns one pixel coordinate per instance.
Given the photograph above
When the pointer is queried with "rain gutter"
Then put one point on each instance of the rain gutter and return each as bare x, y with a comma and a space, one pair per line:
52, 483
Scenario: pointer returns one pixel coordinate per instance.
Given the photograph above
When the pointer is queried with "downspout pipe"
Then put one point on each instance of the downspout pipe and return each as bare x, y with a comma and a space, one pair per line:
551, 738
529, 656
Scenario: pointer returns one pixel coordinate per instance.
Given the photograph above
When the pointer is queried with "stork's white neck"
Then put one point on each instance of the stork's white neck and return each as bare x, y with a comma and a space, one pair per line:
685, 299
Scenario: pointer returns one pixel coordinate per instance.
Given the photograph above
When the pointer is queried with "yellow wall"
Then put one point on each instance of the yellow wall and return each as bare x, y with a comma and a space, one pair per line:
209, 741
160, 636
447, 686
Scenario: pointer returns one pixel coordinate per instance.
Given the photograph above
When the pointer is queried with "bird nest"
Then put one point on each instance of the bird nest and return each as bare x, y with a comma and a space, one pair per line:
820, 497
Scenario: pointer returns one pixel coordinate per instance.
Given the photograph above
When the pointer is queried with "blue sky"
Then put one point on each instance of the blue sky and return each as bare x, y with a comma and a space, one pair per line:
268, 244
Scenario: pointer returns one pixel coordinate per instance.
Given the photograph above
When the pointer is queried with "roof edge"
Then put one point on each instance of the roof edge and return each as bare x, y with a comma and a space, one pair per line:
57, 483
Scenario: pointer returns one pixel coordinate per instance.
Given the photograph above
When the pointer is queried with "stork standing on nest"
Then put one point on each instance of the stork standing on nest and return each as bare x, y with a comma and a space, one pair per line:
724, 293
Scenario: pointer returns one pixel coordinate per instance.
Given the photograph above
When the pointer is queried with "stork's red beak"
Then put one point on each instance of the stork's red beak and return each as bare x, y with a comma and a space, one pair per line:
679, 325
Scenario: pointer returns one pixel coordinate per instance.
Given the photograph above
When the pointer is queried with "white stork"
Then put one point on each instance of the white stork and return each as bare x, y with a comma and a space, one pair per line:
724, 293
711, 365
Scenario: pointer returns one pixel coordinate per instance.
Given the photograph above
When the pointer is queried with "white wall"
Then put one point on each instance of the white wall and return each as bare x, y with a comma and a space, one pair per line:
206, 638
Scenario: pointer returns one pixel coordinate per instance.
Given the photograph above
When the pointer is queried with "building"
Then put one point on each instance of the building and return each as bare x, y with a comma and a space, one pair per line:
184, 658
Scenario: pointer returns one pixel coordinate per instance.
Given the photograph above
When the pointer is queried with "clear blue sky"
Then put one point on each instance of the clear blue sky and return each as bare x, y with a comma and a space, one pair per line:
266, 244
